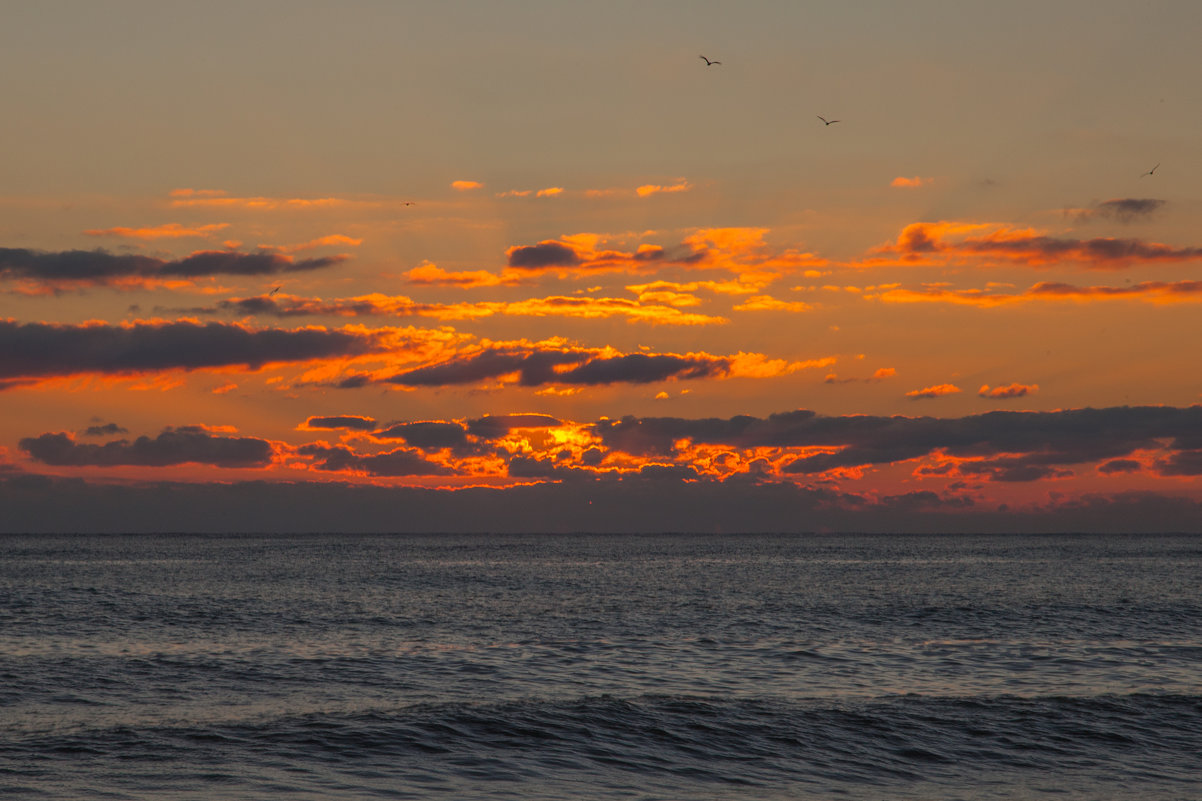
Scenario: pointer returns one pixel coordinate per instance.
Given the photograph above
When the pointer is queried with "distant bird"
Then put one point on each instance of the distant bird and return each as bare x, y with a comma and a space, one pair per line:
709, 63
1149, 172
824, 119
410, 203
277, 289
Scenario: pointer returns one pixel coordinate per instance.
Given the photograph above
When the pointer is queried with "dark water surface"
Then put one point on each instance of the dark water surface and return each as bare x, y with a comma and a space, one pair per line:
601, 667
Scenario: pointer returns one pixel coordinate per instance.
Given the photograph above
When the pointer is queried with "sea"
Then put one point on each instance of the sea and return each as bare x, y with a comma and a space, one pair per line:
590, 666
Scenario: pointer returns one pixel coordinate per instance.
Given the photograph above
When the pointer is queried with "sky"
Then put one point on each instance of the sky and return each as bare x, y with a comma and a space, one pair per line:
537, 266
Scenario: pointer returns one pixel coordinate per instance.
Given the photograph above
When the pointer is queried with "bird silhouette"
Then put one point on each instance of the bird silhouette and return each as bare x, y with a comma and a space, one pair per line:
277, 289
824, 119
1149, 172
709, 63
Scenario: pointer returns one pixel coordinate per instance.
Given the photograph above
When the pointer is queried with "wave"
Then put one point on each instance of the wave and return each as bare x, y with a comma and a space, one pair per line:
1152, 738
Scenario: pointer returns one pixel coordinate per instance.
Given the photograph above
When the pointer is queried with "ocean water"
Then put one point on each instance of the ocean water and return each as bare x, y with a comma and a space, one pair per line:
600, 667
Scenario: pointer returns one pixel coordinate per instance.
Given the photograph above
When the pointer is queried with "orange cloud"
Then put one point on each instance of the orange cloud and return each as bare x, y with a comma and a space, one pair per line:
1147, 291
166, 231
1008, 391
332, 240
883, 373
377, 304
216, 198
550, 191
466, 186
946, 242
433, 275
743, 285
910, 183
655, 189
768, 303
936, 391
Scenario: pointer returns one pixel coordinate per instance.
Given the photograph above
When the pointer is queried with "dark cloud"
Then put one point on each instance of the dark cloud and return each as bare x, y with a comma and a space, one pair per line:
641, 368
1048, 441
1120, 466
101, 267
41, 504
498, 425
1182, 463
175, 446
341, 421
427, 435
105, 430
535, 367
31, 350
544, 254
546, 366
1101, 251
400, 462
1124, 210
529, 467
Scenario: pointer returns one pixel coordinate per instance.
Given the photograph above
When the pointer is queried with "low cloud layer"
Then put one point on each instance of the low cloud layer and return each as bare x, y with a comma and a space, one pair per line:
174, 446
37, 350
99, 267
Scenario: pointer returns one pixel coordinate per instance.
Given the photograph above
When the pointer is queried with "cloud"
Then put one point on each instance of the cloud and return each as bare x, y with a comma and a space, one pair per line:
99, 267
105, 430
39, 350
166, 231
876, 377
330, 240
38, 504
174, 446
1125, 210
350, 422
945, 242
427, 435
647, 190
400, 306
550, 191
1181, 463
742, 251
910, 183
433, 275
1046, 291
769, 303
544, 254
554, 362
498, 425
1000, 445
466, 186
216, 198
399, 462
1008, 391
937, 391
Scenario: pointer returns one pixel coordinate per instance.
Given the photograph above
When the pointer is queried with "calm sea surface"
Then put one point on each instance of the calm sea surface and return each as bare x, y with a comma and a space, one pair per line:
600, 667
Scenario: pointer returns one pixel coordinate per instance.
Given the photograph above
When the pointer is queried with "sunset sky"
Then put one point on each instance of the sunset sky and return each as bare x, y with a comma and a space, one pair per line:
535, 266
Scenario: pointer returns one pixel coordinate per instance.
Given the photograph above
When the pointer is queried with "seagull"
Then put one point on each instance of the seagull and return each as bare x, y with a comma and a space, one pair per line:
824, 119
1149, 172
410, 203
709, 63
277, 289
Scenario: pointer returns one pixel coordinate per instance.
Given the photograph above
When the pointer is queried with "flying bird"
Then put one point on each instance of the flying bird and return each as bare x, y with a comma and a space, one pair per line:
277, 289
709, 63
824, 119
1149, 172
